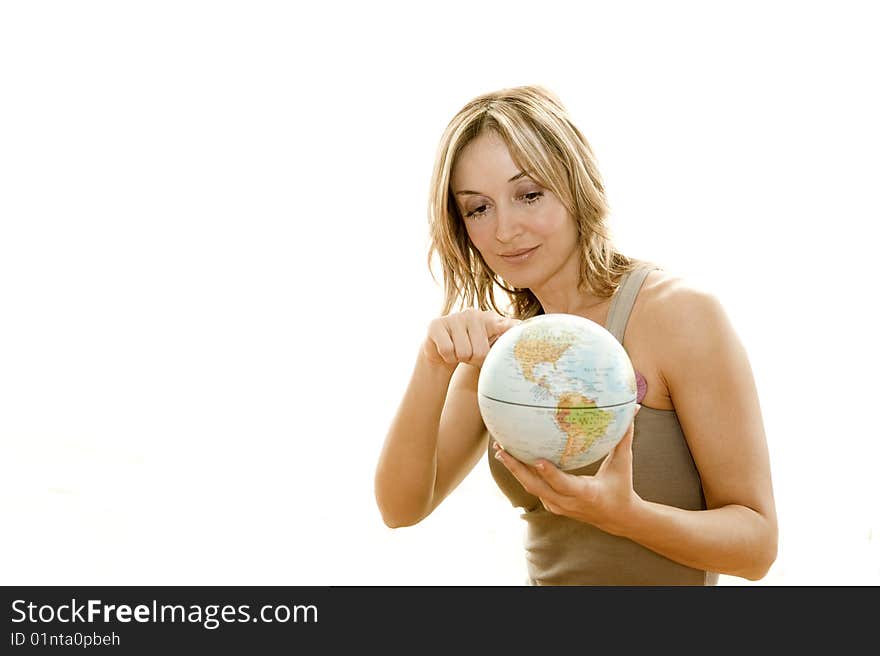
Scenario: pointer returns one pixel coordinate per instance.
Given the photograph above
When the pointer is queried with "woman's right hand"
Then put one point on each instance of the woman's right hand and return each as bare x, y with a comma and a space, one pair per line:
464, 337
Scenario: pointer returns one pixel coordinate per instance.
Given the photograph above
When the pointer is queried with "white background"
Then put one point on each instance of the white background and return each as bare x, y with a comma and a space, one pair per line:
213, 277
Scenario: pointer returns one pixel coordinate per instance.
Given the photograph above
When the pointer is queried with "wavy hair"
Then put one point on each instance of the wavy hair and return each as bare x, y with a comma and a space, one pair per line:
543, 140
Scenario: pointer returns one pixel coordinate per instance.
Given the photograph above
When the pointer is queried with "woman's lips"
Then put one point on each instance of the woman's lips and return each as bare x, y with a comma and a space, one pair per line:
521, 256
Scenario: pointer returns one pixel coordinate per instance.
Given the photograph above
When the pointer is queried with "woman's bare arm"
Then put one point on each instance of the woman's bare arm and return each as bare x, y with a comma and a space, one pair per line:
434, 440
437, 434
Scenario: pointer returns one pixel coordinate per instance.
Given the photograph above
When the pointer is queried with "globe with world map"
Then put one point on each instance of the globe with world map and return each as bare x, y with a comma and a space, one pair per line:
559, 387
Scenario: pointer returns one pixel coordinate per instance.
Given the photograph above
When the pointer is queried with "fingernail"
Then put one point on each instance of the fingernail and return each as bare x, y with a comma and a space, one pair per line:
498, 455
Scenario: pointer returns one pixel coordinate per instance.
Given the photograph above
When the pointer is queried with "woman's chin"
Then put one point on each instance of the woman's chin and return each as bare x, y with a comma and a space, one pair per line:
520, 281
521, 276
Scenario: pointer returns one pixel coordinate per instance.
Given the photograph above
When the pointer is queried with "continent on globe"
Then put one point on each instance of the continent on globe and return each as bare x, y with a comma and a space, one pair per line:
582, 423
540, 346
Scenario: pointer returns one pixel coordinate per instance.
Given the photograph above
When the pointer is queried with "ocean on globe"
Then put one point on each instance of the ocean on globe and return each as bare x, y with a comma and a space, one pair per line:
559, 387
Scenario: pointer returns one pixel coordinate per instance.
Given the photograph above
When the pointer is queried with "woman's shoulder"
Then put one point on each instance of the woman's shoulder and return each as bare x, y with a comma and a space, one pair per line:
672, 315
667, 293
678, 311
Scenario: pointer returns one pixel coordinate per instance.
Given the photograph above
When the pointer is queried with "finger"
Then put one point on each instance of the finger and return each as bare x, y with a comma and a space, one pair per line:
622, 451
531, 482
625, 445
501, 325
458, 331
626, 442
561, 482
549, 506
439, 334
479, 338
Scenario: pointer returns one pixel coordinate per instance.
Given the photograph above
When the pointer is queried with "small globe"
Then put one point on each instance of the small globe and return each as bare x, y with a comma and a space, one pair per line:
559, 387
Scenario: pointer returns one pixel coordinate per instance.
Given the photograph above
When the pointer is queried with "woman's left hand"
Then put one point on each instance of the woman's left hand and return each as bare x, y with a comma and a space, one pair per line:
604, 499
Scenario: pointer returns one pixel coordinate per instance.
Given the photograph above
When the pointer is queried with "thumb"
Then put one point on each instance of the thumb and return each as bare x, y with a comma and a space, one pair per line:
623, 449
506, 323
625, 443
502, 325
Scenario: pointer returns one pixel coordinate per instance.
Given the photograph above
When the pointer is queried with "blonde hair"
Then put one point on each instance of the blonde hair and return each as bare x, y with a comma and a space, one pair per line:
542, 140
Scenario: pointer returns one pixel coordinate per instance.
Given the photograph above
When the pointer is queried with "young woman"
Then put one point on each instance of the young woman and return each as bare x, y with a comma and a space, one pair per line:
517, 205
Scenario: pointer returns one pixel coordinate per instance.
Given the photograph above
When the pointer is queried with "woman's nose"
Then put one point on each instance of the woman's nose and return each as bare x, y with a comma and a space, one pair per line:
507, 225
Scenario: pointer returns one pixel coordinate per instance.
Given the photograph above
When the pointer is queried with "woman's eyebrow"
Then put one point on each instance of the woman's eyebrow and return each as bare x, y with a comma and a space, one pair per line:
477, 193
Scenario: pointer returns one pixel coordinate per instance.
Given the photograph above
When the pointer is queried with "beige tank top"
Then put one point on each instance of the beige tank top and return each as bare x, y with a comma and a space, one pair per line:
564, 551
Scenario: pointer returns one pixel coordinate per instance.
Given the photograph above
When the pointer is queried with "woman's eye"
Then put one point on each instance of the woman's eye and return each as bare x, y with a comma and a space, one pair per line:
529, 199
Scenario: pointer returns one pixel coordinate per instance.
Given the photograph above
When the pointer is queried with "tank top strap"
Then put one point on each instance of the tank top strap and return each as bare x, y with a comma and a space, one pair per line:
624, 298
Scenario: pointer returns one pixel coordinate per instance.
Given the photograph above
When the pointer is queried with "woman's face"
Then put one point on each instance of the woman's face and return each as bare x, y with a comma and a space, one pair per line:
521, 229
